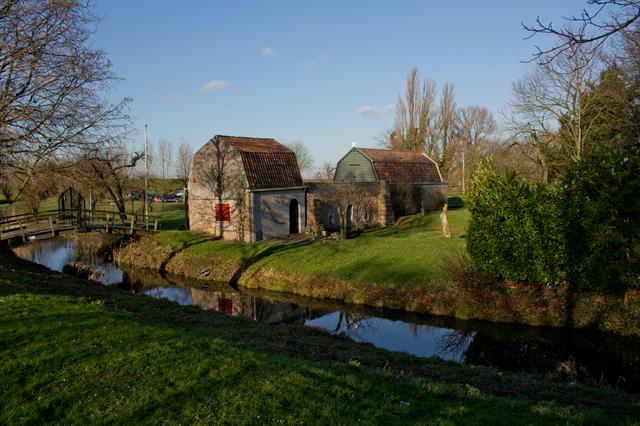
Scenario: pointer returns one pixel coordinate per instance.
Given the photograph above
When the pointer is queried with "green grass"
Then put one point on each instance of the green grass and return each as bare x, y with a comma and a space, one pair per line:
72, 352
410, 252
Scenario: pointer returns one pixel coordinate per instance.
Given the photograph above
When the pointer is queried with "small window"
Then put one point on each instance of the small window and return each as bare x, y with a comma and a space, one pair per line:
223, 213
354, 165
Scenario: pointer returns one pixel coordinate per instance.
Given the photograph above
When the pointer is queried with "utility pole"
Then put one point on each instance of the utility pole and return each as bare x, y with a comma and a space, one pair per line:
463, 174
146, 180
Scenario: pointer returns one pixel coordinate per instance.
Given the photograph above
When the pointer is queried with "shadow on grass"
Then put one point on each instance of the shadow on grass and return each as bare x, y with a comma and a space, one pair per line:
196, 240
180, 360
255, 253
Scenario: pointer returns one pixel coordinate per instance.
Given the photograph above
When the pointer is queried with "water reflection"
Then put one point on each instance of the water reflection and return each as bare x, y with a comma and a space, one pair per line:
580, 355
57, 253
417, 339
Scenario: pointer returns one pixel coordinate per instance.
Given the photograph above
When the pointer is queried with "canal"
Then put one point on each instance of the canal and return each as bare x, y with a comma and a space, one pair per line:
575, 355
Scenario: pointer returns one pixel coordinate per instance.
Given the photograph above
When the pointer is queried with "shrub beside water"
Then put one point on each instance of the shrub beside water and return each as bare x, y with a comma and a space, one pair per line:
601, 204
584, 229
514, 232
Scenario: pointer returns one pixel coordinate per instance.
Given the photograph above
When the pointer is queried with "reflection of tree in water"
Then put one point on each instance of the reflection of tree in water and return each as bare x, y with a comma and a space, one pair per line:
455, 342
591, 358
352, 324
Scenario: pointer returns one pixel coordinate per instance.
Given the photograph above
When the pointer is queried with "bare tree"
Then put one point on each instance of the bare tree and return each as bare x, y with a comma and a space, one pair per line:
303, 156
446, 127
165, 157
592, 29
112, 171
552, 111
352, 206
326, 171
475, 129
183, 171
476, 124
221, 175
40, 186
415, 122
52, 85
184, 162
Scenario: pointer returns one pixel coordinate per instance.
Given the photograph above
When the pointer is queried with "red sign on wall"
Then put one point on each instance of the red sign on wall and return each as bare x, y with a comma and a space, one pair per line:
223, 213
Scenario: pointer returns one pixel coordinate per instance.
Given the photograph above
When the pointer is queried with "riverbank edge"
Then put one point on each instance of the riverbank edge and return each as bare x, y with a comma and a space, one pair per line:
529, 304
33, 283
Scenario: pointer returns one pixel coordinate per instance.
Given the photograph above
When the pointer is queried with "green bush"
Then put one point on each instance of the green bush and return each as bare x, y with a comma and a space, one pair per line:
585, 229
515, 230
601, 203
455, 202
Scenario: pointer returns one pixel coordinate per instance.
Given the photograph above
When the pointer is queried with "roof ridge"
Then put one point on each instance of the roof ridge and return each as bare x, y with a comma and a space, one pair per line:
244, 137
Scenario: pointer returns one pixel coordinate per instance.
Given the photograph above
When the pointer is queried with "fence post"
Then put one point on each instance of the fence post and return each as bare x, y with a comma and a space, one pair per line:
155, 226
133, 223
107, 222
53, 231
24, 237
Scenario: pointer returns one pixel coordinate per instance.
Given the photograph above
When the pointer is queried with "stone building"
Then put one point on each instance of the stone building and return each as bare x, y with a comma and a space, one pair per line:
374, 187
414, 180
247, 189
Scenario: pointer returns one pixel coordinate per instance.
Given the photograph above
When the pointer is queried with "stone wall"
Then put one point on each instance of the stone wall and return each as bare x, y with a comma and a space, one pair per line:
202, 218
202, 197
372, 203
326, 200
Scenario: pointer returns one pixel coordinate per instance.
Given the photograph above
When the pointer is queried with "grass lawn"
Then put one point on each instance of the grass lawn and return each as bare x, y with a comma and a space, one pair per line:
411, 252
73, 352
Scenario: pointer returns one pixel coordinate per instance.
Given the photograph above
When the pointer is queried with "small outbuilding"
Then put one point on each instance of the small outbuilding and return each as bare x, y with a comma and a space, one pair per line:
414, 180
247, 189
393, 167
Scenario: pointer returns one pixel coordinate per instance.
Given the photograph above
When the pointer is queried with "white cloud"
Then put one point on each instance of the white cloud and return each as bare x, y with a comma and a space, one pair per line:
369, 111
216, 86
176, 98
267, 52
312, 63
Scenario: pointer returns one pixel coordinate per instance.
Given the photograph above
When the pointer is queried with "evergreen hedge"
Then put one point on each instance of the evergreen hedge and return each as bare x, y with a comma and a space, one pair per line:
515, 229
584, 229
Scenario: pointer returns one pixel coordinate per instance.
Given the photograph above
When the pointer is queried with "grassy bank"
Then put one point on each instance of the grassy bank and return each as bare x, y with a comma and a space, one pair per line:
72, 351
407, 266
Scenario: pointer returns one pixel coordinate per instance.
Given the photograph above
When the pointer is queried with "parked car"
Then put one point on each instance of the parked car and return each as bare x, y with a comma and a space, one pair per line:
155, 198
170, 198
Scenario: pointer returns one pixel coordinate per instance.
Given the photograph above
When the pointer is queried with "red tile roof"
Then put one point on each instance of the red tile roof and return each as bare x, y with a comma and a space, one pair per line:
266, 162
253, 144
402, 166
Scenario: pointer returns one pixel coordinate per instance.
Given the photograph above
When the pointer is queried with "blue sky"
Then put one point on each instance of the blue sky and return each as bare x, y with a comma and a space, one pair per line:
324, 73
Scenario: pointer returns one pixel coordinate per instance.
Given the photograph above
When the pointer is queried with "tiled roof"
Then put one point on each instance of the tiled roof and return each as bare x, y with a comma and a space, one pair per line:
271, 169
253, 144
402, 166
266, 162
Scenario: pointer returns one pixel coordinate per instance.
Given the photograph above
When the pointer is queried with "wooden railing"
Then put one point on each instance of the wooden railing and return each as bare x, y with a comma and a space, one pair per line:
54, 222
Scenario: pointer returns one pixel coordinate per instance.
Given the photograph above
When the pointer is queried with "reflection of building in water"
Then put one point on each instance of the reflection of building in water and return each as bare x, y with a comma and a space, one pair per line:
255, 308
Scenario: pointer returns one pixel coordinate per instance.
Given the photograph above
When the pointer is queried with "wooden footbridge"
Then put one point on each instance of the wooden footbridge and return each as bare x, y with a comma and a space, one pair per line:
72, 216
51, 223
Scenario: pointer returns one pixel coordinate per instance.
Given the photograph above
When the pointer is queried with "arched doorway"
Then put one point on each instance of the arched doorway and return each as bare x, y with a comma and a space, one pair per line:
293, 217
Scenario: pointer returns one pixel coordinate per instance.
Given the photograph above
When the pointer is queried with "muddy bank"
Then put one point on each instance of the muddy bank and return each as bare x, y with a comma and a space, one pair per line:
555, 306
